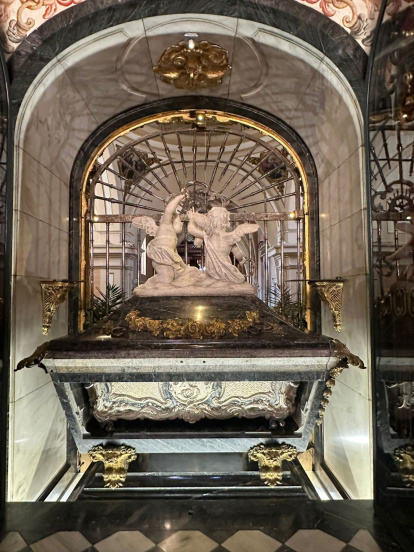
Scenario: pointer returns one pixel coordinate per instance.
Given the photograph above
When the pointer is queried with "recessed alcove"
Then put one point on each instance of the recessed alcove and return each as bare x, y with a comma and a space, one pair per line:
97, 79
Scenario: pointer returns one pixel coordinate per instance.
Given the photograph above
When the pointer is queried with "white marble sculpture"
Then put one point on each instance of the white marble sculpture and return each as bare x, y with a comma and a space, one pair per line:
173, 276
218, 243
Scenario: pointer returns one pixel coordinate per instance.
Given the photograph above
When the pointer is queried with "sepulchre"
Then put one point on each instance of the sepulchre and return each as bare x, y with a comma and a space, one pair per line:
194, 363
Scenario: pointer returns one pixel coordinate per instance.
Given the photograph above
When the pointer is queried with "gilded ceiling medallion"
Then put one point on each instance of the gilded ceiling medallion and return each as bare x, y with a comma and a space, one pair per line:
193, 65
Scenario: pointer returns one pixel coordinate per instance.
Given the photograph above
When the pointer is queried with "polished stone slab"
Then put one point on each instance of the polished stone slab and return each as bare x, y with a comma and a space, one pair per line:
270, 333
284, 522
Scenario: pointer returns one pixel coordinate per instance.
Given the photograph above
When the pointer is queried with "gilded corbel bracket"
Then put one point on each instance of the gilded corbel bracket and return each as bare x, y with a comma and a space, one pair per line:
346, 358
270, 461
116, 461
404, 458
54, 293
330, 293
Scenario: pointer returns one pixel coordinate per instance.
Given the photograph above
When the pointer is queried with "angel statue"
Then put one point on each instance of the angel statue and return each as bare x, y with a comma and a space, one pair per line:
218, 243
162, 250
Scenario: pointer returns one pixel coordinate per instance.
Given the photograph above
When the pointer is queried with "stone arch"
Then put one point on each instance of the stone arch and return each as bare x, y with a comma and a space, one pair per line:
67, 94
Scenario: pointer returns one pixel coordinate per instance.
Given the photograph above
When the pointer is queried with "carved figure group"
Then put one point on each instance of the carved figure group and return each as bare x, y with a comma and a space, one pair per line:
172, 275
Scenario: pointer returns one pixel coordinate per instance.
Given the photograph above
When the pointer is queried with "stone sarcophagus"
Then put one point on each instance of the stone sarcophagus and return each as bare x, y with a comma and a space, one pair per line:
208, 374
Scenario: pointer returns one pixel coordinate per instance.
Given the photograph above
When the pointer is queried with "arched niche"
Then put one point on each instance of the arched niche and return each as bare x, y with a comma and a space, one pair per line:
108, 72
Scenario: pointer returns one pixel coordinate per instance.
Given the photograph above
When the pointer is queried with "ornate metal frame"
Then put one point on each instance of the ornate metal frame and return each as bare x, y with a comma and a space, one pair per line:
250, 184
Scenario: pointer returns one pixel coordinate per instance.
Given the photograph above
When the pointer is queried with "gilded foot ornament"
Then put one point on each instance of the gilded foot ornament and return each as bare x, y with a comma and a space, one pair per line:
116, 461
404, 458
270, 461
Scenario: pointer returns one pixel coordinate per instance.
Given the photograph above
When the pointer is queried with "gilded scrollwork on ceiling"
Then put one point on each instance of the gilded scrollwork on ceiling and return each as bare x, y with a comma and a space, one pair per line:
18, 18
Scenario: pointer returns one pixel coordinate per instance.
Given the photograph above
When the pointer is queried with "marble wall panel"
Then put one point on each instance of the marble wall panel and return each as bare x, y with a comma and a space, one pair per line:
343, 247
328, 118
115, 74
43, 195
342, 193
39, 438
348, 441
42, 249
27, 332
271, 69
57, 123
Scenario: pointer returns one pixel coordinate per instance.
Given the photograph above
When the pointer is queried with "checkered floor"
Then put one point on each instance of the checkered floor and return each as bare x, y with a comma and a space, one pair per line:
309, 540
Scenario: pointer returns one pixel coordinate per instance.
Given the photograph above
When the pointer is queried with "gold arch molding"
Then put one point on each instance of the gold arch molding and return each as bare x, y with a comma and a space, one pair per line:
192, 116
191, 121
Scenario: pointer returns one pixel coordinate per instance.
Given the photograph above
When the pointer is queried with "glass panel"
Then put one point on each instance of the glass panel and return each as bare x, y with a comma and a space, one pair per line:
391, 135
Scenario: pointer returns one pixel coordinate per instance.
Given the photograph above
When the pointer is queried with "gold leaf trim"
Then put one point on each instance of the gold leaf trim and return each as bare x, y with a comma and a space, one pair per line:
192, 329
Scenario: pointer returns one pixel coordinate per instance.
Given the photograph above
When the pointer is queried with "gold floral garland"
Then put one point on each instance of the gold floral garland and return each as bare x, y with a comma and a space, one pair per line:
174, 329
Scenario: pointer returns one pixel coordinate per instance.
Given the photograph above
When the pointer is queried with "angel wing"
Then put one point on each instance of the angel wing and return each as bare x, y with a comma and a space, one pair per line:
146, 223
242, 229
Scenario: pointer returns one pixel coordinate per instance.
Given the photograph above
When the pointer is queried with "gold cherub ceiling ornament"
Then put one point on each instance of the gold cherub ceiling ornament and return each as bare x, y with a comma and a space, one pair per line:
191, 65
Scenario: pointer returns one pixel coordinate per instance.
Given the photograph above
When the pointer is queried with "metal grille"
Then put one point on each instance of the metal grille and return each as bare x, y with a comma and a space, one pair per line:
219, 160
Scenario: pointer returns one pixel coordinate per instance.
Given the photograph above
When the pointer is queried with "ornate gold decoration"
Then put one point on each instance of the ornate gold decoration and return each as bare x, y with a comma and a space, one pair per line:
35, 359
115, 462
192, 401
345, 357
343, 353
54, 293
197, 117
175, 329
404, 458
270, 461
193, 65
330, 293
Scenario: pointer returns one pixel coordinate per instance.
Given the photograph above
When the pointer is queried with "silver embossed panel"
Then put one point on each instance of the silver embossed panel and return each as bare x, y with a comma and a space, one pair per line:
192, 400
